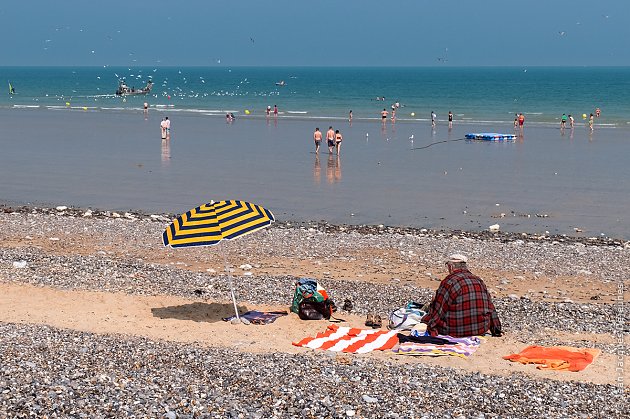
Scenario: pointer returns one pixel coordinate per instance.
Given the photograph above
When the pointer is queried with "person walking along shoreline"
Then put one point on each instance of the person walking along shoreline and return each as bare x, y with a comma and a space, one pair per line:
317, 137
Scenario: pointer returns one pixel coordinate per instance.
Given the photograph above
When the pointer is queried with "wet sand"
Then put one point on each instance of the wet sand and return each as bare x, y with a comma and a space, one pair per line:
547, 181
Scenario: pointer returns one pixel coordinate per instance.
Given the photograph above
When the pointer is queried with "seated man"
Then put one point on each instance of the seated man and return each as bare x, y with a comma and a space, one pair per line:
462, 305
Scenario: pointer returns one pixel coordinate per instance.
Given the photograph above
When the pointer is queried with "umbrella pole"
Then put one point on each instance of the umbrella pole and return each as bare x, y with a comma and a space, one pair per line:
231, 284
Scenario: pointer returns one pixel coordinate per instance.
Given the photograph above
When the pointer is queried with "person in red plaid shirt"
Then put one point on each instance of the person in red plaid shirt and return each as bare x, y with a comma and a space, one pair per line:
462, 305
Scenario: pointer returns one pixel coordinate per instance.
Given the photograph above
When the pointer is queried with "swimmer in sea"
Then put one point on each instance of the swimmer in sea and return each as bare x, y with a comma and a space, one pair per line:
571, 121
384, 115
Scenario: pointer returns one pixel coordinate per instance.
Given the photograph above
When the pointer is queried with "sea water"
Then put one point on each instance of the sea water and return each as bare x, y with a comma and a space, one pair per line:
66, 139
491, 95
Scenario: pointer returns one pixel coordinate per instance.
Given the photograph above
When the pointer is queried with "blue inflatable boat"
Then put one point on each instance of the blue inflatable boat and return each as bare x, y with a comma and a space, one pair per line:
490, 136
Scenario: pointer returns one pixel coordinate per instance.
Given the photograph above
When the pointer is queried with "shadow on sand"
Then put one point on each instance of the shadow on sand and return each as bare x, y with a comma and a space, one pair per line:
198, 312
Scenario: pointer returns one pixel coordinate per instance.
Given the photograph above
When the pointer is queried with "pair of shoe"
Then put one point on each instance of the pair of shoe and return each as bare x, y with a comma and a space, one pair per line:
374, 321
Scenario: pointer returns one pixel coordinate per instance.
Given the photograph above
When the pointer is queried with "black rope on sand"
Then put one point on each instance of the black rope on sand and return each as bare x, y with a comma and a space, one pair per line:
437, 142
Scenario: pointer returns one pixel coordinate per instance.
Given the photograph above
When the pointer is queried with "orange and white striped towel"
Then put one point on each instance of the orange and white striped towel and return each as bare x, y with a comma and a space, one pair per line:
351, 340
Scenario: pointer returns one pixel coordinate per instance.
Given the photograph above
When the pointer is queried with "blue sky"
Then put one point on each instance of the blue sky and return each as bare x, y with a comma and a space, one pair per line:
315, 33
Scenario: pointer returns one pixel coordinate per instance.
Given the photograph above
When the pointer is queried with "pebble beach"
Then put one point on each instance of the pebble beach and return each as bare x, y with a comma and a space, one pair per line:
511, 161
162, 361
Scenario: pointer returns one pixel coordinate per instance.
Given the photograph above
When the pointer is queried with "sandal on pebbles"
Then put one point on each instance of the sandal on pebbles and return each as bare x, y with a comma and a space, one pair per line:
377, 323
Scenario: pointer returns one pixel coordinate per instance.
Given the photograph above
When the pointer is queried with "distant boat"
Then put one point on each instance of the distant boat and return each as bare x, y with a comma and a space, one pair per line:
11, 89
124, 90
281, 83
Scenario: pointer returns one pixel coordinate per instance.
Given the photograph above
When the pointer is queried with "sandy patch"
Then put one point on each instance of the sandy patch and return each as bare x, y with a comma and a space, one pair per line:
196, 321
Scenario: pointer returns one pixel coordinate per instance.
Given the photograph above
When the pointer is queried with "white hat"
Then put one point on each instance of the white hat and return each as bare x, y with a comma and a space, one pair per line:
457, 258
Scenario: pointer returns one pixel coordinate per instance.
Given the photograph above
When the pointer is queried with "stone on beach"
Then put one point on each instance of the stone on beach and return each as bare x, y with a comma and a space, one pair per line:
117, 374
19, 264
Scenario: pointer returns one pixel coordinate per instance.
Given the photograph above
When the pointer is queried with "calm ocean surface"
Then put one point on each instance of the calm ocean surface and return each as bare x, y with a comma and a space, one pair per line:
472, 94
67, 140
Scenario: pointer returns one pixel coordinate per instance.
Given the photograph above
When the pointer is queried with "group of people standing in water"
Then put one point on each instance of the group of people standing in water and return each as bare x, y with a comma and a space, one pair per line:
591, 119
333, 139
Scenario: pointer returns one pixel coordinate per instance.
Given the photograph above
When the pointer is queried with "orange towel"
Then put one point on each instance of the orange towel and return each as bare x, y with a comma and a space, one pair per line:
561, 358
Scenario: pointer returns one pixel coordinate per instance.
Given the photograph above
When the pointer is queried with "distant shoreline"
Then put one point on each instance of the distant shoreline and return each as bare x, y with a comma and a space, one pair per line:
503, 124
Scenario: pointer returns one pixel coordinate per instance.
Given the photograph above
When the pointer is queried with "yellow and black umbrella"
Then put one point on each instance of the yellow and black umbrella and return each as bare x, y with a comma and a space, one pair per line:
210, 223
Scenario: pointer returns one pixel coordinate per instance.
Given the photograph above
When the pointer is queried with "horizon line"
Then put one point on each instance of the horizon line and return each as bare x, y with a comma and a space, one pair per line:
314, 66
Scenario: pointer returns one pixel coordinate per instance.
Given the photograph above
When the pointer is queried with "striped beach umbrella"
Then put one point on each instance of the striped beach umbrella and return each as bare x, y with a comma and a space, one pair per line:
209, 224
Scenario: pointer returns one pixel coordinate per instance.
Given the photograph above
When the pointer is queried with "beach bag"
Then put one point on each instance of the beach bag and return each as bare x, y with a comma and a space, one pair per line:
314, 310
405, 318
307, 289
310, 300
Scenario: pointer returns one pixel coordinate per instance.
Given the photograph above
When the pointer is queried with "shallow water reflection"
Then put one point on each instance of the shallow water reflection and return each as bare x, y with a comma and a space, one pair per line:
317, 171
166, 153
333, 169
544, 184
